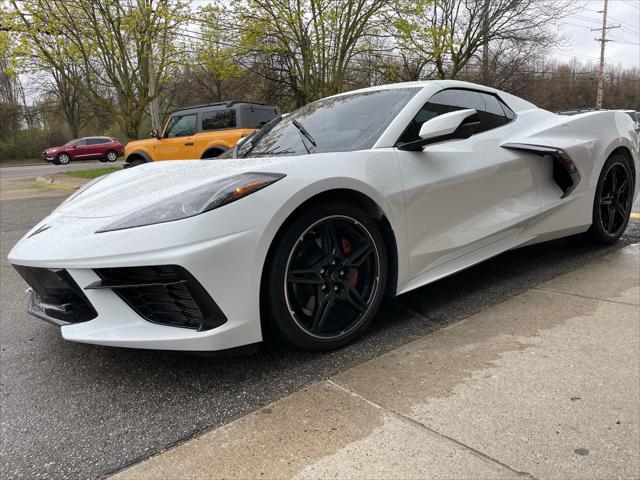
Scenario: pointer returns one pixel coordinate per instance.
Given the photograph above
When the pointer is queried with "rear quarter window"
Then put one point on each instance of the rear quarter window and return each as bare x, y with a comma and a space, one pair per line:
218, 119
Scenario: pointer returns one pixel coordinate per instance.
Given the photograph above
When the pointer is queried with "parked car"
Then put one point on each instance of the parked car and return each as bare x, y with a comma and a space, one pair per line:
200, 132
105, 149
308, 225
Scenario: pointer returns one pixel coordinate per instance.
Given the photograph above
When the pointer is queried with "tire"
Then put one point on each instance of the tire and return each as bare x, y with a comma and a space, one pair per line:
214, 153
312, 303
135, 163
612, 202
111, 156
63, 159
103, 160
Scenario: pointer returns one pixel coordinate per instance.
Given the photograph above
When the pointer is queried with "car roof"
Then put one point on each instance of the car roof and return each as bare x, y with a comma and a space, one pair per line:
227, 104
517, 104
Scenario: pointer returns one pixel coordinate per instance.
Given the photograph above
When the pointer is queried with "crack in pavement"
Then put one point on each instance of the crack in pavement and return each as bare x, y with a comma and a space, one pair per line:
432, 432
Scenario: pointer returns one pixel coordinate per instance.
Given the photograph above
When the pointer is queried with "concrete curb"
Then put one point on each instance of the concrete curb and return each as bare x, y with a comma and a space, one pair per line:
61, 180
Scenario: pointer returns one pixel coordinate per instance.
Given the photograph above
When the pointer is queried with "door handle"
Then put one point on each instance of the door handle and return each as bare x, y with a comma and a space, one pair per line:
188, 144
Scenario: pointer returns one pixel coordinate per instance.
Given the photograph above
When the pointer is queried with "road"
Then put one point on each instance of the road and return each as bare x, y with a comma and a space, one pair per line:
73, 410
33, 171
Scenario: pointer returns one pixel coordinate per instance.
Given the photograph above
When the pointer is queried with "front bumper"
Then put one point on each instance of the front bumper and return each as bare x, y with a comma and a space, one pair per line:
223, 249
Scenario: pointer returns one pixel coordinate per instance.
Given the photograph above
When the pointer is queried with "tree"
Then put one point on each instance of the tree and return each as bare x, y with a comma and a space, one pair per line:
310, 43
116, 54
453, 33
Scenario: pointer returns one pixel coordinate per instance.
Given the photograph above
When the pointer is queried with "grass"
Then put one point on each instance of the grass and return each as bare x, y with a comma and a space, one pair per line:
94, 173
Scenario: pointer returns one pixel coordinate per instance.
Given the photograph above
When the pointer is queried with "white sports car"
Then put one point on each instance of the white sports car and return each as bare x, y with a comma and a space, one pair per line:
307, 225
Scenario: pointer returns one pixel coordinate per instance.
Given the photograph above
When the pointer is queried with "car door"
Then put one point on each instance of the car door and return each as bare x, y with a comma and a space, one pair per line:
96, 149
81, 150
464, 195
178, 142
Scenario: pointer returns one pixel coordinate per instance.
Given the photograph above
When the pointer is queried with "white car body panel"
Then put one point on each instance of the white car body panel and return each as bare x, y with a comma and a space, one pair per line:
454, 204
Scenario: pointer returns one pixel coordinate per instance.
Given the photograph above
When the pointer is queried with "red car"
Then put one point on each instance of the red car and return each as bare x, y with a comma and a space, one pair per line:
105, 149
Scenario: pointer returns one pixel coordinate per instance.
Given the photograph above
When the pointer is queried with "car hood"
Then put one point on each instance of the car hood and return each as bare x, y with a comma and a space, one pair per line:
126, 191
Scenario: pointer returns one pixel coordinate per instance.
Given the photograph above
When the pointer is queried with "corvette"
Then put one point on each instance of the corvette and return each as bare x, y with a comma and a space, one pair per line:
307, 225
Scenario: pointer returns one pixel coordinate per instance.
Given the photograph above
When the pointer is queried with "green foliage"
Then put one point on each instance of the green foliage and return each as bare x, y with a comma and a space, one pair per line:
93, 173
116, 53
219, 52
29, 143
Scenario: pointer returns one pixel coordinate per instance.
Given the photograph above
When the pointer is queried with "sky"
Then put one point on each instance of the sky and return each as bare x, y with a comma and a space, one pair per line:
624, 49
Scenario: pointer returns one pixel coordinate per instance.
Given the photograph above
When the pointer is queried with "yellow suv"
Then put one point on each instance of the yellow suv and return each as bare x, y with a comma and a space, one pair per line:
202, 131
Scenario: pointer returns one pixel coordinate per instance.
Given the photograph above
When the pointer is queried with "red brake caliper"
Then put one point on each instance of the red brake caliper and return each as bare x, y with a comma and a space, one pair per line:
346, 249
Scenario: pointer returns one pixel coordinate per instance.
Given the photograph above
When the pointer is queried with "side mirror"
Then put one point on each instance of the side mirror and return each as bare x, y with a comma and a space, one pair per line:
444, 124
448, 126
155, 133
74, 146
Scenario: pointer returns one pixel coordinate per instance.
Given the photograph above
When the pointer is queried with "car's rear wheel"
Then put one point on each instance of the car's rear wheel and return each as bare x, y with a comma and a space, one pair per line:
327, 278
135, 162
64, 158
613, 199
111, 156
213, 153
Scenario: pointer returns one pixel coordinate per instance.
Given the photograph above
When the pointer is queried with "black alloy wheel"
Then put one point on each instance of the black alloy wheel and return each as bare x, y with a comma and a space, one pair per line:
614, 196
332, 278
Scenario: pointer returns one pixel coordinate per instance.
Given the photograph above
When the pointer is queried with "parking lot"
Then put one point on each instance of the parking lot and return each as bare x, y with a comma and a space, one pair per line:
73, 410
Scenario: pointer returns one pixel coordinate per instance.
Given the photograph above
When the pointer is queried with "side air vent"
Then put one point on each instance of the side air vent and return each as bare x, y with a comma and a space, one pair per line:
565, 172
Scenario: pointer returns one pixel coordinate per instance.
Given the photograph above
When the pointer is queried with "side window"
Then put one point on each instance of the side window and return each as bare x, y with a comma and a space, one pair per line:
493, 114
491, 111
217, 119
81, 143
96, 141
181, 126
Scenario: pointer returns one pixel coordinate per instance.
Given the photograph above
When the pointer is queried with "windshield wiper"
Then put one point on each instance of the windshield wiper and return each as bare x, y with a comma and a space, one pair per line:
306, 134
256, 135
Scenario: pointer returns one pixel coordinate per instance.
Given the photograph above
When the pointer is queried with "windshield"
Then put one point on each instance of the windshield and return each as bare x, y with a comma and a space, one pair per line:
336, 124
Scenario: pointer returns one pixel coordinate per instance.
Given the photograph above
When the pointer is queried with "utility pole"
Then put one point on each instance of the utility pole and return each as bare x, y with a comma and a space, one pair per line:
603, 41
485, 47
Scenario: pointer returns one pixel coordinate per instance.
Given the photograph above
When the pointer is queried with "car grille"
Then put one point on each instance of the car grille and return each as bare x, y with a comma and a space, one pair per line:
56, 297
164, 294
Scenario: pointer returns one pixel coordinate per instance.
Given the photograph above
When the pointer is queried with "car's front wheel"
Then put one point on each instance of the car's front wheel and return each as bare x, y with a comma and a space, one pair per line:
111, 156
326, 278
64, 158
612, 204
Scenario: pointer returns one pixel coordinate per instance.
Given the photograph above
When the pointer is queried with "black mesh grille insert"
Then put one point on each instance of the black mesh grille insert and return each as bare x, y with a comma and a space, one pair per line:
164, 294
56, 296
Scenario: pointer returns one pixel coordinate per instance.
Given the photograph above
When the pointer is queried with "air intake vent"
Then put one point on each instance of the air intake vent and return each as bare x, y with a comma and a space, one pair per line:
163, 294
56, 297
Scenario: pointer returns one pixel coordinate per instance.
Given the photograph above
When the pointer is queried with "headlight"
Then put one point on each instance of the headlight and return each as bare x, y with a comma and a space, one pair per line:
194, 202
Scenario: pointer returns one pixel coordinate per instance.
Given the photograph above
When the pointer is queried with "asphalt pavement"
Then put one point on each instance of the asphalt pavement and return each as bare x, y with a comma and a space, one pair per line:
33, 171
73, 410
